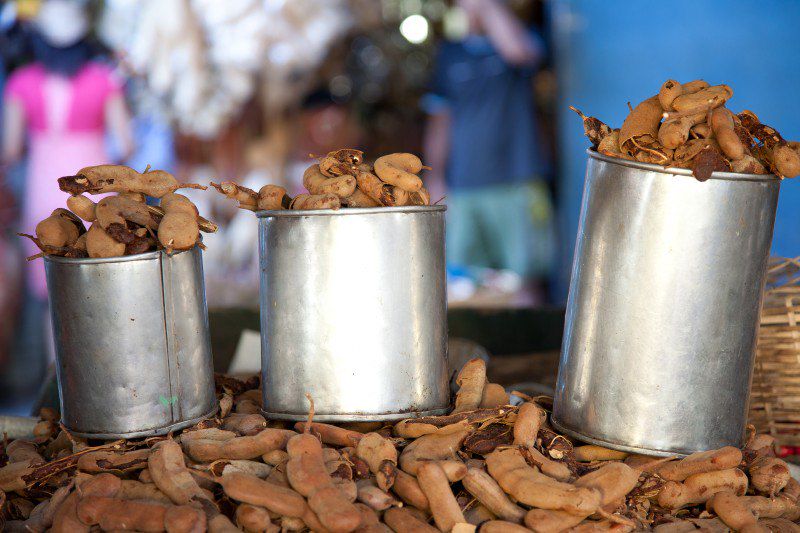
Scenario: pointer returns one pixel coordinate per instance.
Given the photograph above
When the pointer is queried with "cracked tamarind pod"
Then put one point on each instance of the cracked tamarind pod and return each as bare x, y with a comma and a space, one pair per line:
595, 129
247, 198
341, 162
642, 121
118, 178
784, 160
114, 212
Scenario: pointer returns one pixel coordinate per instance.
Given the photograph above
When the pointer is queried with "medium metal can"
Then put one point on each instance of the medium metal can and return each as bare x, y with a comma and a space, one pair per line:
133, 352
353, 312
663, 307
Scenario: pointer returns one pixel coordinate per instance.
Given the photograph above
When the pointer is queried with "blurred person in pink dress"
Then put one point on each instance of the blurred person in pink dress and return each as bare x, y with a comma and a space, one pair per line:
60, 107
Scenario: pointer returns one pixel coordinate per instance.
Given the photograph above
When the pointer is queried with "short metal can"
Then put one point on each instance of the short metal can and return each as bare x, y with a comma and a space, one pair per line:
133, 352
354, 313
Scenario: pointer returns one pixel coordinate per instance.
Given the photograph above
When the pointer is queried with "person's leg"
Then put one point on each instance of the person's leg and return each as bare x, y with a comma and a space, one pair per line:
464, 247
519, 219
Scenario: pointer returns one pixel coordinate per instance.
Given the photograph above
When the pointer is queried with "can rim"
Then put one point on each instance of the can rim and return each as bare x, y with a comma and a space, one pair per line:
350, 211
100, 260
725, 176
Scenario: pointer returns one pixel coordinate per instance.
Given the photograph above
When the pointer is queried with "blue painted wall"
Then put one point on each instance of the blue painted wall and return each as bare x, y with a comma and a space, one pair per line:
611, 52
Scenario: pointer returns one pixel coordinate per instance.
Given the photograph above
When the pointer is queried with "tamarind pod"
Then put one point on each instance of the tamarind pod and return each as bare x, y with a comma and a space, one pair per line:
792, 490
66, 520
494, 395
347, 487
341, 162
530, 417
254, 518
430, 448
674, 133
184, 519
471, 381
454, 469
332, 435
609, 145
407, 489
135, 196
330, 454
786, 161
41, 518
278, 476
109, 461
216, 434
118, 178
272, 198
368, 516
83, 207
592, 452
527, 485
294, 524
721, 122
113, 513
486, 490
247, 488
403, 521
748, 165
769, 475
710, 97
696, 463
137, 490
670, 90
602, 526
400, 170
408, 429
117, 210
375, 498
772, 507
80, 245
172, 202
206, 226
244, 424
247, 198
248, 447
341, 186
694, 86
708, 161
689, 150
780, 525
101, 244
643, 120
56, 231
168, 469
244, 466
22, 450
554, 469
698, 488
702, 130
307, 475
315, 201
595, 129
275, 457
360, 199
381, 457
381, 192
733, 510
444, 507
502, 526
760, 444
178, 231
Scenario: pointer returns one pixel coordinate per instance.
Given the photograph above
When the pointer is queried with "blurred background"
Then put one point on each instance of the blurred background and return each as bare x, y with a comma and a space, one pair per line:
245, 90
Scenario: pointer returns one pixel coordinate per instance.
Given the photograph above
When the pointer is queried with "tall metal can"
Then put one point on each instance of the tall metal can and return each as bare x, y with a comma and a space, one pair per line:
353, 312
133, 352
663, 308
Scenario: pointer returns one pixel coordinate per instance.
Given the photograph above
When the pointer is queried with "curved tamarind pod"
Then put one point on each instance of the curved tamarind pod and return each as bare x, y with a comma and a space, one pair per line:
674, 133
643, 120
360, 199
272, 198
168, 469
83, 207
699, 488
315, 201
486, 490
694, 86
708, 98
400, 170
471, 381
178, 202
250, 489
722, 124
101, 244
670, 90
381, 457
205, 225
381, 192
733, 510
247, 198
783, 158
699, 462
135, 196
317, 183
444, 506
119, 178
113, 213
401, 520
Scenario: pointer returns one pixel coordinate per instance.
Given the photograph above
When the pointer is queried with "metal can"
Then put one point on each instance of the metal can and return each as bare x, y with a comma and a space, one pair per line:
133, 352
663, 307
353, 312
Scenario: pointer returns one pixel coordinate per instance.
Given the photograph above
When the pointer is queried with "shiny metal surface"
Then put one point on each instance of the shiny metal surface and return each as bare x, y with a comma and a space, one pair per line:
132, 343
663, 307
353, 311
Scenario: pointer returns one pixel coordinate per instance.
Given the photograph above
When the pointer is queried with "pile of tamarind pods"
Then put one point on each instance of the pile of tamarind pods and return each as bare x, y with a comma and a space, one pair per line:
488, 466
688, 126
121, 223
342, 179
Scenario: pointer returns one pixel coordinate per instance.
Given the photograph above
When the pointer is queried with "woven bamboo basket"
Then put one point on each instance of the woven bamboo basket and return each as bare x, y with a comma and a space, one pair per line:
775, 395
